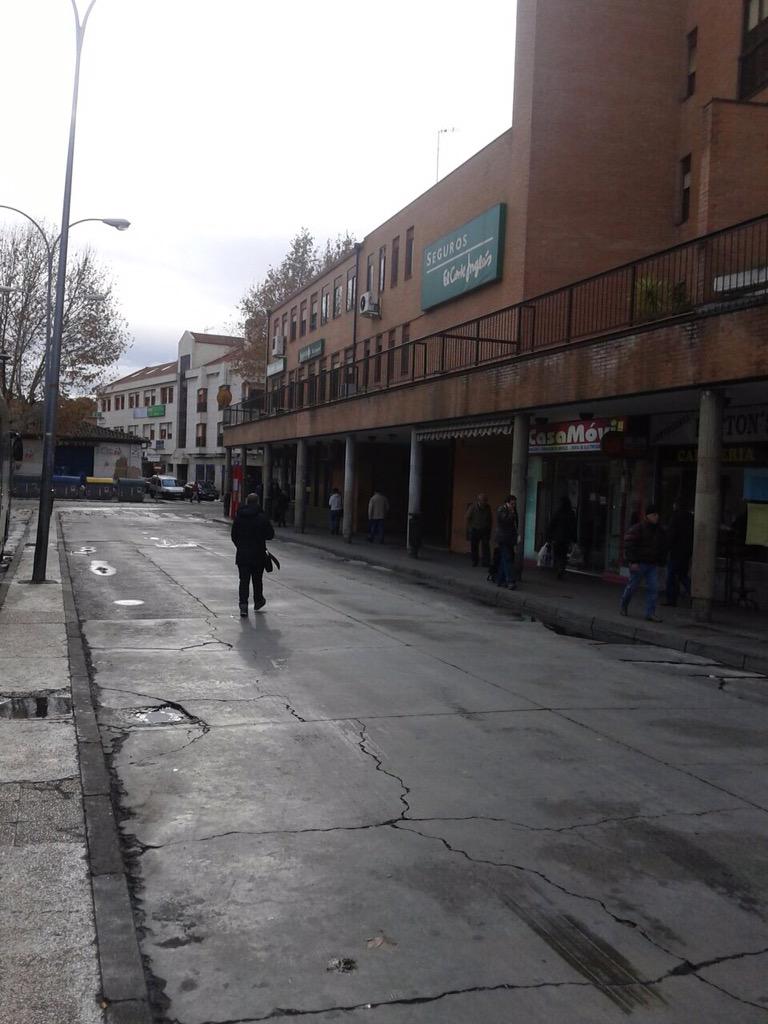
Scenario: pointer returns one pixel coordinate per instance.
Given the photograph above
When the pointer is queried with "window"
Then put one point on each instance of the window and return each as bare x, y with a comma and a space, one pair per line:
325, 303
754, 53
200, 432
106, 404
119, 402
134, 400
284, 327
166, 431
395, 265
685, 188
149, 431
351, 287
303, 319
166, 395
692, 42
382, 268
369, 274
220, 434
294, 323
337, 289
405, 351
202, 399
313, 311
408, 270
149, 398
377, 360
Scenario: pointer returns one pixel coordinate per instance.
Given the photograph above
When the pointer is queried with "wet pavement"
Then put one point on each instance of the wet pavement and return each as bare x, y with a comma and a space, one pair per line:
374, 800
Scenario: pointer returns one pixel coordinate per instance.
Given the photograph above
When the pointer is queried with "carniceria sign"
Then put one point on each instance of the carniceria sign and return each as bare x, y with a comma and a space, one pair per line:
573, 436
463, 260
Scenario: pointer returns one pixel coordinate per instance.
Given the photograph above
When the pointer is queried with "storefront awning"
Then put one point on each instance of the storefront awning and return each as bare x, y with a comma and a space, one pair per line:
465, 429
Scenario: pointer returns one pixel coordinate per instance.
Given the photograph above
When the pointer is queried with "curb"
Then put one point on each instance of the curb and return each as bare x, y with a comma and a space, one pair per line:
124, 987
13, 565
595, 627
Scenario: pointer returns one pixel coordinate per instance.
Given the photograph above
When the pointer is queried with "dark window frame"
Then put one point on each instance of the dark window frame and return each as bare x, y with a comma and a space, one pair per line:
685, 188
409, 246
394, 263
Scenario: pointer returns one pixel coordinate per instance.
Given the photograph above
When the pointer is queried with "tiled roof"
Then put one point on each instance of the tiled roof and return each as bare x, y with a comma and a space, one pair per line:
30, 424
226, 358
142, 374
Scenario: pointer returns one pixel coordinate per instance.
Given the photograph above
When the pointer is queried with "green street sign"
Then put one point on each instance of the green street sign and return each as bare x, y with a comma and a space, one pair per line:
311, 351
156, 410
467, 258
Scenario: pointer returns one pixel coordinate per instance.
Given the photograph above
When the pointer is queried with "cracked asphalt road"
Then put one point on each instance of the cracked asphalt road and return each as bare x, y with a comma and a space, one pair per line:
489, 821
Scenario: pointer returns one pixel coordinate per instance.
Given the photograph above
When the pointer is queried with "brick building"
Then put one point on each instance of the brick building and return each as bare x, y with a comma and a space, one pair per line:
568, 312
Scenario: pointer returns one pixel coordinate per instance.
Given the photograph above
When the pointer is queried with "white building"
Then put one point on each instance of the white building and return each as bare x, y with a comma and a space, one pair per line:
177, 408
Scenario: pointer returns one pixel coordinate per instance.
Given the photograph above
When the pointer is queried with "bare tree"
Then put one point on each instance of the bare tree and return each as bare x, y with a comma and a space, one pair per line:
94, 334
301, 263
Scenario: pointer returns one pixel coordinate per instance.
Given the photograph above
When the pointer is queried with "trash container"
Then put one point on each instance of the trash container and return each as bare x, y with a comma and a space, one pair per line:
130, 488
66, 486
415, 533
100, 488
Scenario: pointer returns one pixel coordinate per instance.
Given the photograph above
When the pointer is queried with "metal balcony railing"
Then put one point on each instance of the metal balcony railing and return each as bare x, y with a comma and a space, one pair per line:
711, 271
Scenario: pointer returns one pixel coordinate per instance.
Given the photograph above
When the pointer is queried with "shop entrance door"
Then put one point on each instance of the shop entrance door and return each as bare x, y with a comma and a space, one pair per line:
594, 489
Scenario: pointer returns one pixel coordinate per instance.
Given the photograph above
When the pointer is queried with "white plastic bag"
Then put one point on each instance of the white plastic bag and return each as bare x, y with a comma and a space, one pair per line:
544, 557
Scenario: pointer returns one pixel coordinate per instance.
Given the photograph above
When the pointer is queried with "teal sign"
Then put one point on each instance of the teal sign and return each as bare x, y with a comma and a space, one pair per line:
463, 260
156, 410
311, 351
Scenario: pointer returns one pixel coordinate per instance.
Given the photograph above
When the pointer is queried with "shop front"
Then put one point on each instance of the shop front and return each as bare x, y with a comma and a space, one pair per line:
603, 467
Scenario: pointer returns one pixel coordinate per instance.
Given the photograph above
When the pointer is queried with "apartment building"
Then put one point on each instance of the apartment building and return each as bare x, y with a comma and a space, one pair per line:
176, 408
569, 312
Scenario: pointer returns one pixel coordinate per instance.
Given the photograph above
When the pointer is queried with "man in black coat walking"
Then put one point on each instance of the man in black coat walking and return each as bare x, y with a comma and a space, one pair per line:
250, 532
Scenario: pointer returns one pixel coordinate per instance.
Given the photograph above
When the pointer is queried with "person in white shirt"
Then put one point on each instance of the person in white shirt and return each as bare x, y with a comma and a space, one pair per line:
378, 507
335, 505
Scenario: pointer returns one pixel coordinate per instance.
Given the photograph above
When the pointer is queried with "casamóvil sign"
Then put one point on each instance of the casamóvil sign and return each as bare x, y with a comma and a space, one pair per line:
465, 259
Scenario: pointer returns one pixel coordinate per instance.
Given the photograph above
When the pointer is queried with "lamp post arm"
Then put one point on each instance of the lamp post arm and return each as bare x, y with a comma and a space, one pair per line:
46, 243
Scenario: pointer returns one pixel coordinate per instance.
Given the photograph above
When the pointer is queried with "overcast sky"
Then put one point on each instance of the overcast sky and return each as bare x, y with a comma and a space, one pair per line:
220, 128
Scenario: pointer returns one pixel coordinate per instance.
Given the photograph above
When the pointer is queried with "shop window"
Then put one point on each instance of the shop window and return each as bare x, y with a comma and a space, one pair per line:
408, 269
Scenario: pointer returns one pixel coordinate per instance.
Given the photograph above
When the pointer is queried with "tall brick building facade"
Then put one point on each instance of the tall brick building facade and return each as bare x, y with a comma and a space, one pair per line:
569, 312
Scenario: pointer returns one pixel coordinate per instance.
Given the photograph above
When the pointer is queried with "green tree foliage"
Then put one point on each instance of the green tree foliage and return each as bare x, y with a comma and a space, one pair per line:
303, 261
94, 332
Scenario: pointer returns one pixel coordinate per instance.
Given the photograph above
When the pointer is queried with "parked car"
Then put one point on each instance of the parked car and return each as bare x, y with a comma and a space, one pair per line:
207, 490
165, 487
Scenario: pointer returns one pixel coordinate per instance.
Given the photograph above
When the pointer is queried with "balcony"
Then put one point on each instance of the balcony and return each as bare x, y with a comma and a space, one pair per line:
713, 273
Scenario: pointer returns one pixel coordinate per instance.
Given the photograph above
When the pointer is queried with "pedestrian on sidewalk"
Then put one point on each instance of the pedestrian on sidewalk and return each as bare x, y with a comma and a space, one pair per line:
507, 534
646, 549
561, 533
479, 519
335, 506
250, 532
378, 507
680, 546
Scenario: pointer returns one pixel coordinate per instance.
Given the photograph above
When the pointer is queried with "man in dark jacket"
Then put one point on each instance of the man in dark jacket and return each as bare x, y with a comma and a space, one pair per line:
478, 519
250, 532
507, 530
646, 548
680, 538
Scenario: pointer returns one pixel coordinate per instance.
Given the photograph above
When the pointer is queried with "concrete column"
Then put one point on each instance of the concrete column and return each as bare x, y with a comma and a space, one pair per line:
518, 484
301, 486
349, 488
414, 495
281, 471
266, 478
707, 507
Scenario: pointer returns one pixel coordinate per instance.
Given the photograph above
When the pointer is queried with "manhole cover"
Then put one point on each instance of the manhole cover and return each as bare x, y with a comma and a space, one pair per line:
47, 706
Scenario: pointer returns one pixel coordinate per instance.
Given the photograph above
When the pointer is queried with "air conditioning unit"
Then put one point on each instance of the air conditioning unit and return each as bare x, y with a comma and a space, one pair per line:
369, 305
278, 346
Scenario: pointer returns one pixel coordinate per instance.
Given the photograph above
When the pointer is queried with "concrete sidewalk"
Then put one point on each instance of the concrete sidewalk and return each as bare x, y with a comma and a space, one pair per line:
577, 604
67, 936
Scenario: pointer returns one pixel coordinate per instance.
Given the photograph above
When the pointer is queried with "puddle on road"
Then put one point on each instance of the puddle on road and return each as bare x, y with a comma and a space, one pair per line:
102, 568
50, 705
164, 714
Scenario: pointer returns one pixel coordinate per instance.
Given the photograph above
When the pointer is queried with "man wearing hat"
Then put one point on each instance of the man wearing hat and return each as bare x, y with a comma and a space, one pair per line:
646, 549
